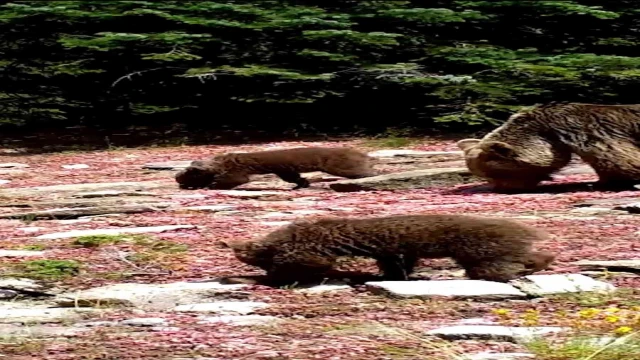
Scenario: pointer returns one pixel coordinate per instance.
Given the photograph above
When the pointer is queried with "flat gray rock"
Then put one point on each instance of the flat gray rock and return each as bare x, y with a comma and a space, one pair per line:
632, 208
415, 179
147, 296
68, 213
477, 289
40, 314
20, 253
39, 331
118, 231
167, 165
13, 166
492, 332
88, 187
613, 265
144, 322
223, 307
593, 210
417, 153
608, 203
110, 193
540, 285
26, 286
240, 320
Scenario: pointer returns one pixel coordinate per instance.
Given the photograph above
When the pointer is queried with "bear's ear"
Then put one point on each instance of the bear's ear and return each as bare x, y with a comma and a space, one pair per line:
499, 148
466, 144
197, 163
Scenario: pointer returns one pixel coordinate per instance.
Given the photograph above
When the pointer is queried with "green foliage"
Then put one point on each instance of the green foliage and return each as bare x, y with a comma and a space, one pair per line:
431, 63
49, 269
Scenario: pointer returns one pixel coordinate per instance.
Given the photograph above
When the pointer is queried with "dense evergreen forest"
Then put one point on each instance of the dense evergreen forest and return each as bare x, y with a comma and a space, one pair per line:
310, 65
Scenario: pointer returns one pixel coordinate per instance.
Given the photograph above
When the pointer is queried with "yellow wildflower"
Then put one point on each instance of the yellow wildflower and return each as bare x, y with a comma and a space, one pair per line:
501, 312
623, 330
612, 319
588, 313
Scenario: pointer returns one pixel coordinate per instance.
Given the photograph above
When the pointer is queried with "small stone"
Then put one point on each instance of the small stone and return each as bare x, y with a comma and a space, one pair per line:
492, 332
223, 307
2, 182
210, 208
144, 322
240, 320
118, 231
540, 285
76, 166
20, 253
13, 166
447, 288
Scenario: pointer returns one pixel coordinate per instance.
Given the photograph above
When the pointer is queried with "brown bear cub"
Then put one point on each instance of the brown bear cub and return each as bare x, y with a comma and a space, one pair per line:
533, 144
231, 170
491, 249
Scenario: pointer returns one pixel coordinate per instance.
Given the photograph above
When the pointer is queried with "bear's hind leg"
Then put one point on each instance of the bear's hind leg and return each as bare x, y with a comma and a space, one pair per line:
617, 166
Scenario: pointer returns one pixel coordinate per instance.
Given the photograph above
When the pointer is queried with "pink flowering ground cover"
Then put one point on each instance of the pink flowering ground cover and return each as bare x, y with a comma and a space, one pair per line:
334, 325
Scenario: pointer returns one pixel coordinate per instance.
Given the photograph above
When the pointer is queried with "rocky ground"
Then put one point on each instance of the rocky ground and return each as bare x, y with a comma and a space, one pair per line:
103, 257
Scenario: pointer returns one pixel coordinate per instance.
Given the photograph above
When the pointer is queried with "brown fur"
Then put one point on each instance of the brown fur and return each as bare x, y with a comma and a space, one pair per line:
231, 170
487, 248
534, 144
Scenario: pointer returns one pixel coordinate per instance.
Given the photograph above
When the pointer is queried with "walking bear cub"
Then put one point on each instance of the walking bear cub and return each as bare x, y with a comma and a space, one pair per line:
227, 171
487, 248
533, 144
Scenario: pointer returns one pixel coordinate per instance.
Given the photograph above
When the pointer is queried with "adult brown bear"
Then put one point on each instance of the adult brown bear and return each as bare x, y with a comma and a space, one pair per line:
534, 144
492, 249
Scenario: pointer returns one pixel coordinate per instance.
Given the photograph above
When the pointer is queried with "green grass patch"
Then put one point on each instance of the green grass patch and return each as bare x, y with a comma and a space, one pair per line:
586, 348
49, 269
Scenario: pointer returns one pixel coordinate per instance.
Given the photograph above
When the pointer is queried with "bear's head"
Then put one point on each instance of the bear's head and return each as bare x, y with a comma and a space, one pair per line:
196, 176
251, 252
502, 165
